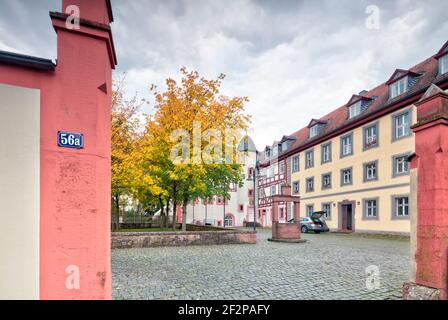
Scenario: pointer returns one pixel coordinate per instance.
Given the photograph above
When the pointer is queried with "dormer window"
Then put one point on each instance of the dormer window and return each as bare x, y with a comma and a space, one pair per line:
357, 104
398, 87
442, 57
268, 153
401, 81
314, 131
315, 127
355, 109
443, 64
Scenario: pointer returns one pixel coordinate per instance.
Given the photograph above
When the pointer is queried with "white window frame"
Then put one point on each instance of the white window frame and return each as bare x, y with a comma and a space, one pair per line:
314, 131
443, 64
371, 208
296, 187
355, 109
371, 137
326, 181
308, 207
371, 171
347, 145
344, 176
281, 167
227, 219
268, 153
295, 164
398, 87
326, 153
401, 162
404, 205
309, 159
327, 214
308, 181
273, 190
402, 129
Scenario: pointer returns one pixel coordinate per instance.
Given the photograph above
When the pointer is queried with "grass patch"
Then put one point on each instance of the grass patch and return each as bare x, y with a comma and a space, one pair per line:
149, 230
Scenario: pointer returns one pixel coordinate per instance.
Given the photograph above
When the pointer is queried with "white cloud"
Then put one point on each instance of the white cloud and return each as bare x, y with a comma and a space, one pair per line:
295, 60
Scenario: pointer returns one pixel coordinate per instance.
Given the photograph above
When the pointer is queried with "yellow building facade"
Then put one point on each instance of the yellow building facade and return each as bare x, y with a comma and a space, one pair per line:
341, 180
353, 162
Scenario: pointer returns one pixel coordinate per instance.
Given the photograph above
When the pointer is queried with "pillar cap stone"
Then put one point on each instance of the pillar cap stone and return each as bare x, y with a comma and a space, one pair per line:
432, 106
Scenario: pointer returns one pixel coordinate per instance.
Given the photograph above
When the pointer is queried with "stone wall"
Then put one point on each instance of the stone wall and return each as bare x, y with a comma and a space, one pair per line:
121, 240
199, 227
286, 231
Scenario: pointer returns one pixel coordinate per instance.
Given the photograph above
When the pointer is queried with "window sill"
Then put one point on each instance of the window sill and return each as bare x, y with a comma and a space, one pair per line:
394, 217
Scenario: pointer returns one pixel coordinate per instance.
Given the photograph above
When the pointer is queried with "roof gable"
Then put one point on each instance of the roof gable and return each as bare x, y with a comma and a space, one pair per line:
287, 138
356, 97
313, 122
400, 73
442, 51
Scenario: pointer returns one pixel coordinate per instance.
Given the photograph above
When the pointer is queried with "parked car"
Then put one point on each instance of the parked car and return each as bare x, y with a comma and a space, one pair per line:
314, 223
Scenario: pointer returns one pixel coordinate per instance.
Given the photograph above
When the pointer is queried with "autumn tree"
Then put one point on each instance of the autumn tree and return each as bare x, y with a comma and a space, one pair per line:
184, 153
125, 126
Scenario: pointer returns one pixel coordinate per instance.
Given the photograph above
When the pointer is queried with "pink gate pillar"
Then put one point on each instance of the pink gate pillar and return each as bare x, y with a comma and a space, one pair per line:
430, 274
75, 184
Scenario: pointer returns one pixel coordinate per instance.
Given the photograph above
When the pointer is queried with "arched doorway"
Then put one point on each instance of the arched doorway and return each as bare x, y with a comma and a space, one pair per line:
229, 221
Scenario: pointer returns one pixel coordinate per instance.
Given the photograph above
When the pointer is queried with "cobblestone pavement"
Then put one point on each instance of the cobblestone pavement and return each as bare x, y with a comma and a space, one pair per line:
328, 266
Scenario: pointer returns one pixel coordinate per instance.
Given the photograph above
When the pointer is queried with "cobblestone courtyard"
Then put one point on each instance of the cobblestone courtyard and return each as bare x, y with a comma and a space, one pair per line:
328, 266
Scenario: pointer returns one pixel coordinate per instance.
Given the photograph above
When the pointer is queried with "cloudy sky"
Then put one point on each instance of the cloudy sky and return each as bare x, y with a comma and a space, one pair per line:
294, 59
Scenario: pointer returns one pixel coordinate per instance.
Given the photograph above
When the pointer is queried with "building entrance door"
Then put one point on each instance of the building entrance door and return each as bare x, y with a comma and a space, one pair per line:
346, 213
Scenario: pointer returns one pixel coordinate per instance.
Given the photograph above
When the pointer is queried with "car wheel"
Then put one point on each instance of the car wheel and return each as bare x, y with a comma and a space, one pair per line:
304, 229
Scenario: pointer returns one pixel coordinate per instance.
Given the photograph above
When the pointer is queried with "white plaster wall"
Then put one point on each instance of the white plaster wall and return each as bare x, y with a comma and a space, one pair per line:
19, 192
215, 212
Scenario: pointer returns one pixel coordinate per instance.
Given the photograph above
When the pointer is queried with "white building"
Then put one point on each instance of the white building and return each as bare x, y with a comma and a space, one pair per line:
239, 209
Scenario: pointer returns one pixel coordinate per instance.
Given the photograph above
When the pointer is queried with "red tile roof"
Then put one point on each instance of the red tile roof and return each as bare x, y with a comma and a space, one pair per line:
337, 120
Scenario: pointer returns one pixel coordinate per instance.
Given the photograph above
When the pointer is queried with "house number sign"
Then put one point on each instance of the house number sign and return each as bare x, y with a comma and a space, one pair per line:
70, 140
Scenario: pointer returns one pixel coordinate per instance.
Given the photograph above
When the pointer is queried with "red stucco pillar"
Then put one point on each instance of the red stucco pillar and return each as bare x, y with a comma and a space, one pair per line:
431, 161
274, 212
297, 211
274, 219
75, 184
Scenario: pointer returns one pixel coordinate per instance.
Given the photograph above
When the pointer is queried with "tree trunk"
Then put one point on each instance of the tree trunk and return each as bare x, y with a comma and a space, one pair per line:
174, 204
205, 222
184, 213
224, 214
184, 216
167, 214
117, 210
162, 213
